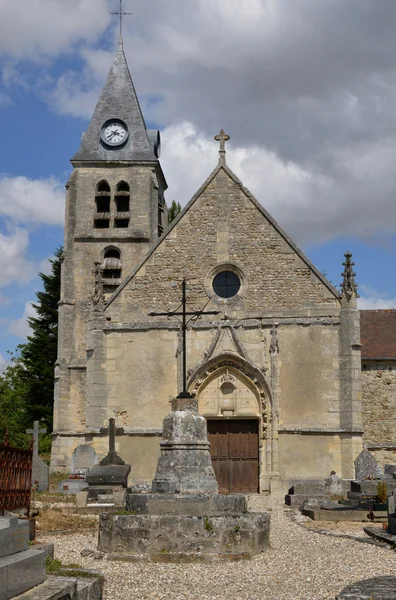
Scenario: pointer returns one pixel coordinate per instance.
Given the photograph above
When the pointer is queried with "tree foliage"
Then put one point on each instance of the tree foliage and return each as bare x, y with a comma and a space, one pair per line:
27, 383
174, 210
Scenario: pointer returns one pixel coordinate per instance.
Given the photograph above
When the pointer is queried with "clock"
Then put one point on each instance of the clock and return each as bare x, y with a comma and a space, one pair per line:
114, 133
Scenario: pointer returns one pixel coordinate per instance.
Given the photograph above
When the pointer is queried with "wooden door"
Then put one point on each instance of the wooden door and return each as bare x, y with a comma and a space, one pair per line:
234, 448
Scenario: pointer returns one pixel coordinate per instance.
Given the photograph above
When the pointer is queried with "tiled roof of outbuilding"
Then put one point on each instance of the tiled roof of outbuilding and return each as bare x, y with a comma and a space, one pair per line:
378, 333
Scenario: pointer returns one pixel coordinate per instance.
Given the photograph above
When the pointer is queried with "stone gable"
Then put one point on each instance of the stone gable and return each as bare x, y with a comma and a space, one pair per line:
224, 225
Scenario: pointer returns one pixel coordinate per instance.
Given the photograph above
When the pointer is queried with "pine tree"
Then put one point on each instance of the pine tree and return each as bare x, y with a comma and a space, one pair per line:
39, 353
174, 210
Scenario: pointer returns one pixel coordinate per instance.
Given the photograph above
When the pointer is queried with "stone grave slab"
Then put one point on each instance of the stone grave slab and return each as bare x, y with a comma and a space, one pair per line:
366, 466
83, 459
40, 474
14, 535
20, 572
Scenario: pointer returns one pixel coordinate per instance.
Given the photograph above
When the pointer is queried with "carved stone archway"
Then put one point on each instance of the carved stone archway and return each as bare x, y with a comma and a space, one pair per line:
234, 371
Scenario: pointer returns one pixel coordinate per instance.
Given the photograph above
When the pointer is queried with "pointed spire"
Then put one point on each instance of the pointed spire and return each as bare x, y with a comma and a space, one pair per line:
348, 285
222, 138
118, 101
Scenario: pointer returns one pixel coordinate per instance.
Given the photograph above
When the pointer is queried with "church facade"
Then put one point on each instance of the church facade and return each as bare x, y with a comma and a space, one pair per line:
277, 370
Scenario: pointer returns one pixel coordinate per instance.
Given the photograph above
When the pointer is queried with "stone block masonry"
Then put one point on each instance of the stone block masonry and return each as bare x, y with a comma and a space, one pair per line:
182, 538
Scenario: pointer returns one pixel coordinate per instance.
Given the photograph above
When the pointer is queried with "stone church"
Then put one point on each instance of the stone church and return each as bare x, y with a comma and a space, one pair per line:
278, 370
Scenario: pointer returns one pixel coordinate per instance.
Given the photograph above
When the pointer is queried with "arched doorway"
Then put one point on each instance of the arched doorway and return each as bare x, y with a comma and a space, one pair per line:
233, 406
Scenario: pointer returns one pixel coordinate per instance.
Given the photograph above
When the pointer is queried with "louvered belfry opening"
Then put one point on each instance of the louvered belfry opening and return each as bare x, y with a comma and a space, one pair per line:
112, 267
102, 200
122, 202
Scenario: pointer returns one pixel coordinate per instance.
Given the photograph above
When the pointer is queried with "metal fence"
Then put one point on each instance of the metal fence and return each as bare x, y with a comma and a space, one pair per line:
15, 477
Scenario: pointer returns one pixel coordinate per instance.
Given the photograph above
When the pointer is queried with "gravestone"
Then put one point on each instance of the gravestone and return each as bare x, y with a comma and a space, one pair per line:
389, 470
334, 485
39, 468
84, 458
111, 472
366, 466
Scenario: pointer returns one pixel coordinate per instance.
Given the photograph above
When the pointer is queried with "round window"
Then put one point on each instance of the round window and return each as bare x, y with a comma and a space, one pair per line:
226, 284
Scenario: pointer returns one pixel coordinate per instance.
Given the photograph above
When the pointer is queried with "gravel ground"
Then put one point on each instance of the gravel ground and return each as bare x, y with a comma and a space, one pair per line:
300, 565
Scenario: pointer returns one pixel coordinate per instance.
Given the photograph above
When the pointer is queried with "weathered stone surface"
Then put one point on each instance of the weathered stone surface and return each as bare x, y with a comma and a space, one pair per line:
14, 535
176, 536
366, 466
65, 588
194, 505
377, 588
20, 572
389, 470
391, 504
297, 500
312, 488
72, 486
185, 465
40, 473
334, 485
83, 459
379, 415
370, 487
319, 514
108, 475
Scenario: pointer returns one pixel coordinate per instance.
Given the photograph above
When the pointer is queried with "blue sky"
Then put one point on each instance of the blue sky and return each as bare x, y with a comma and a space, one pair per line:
307, 92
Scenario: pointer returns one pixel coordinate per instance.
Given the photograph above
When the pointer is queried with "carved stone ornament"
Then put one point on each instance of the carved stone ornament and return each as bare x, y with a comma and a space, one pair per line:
98, 294
227, 378
246, 370
348, 285
274, 346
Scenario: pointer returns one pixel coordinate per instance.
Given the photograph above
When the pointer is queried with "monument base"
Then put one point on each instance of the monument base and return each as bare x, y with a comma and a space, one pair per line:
184, 528
184, 465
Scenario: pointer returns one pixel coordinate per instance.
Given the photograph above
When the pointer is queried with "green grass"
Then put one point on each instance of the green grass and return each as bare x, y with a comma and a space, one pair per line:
55, 567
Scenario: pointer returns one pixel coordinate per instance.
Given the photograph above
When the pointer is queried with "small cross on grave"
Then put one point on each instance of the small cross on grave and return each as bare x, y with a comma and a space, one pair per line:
222, 138
112, 457
35, 432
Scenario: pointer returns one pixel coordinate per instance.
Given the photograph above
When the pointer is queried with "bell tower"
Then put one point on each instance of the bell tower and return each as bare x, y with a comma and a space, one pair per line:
115, 211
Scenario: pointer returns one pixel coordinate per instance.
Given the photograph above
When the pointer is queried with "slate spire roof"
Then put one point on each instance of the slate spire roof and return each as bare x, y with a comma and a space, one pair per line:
118, 100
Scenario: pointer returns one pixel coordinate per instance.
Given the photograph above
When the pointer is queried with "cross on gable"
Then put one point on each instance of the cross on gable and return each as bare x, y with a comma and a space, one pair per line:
112, 457
222, 138
35, 432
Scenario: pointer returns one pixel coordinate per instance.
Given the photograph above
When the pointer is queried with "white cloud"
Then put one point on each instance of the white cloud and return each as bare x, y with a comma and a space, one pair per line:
15, 267
20, 327
372, 299
312, 115
372, 302
311, 206
39, 201
45, 266
33, 29
3, 363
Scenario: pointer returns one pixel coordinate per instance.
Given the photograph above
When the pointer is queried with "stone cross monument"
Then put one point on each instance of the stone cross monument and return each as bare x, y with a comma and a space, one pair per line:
112, 471
39, 468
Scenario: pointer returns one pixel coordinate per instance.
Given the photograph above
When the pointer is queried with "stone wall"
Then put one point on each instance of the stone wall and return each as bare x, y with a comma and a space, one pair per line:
379, 409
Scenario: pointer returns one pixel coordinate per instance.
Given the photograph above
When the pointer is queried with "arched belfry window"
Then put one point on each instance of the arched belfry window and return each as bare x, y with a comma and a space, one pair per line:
111, 267
122, 202
102, 201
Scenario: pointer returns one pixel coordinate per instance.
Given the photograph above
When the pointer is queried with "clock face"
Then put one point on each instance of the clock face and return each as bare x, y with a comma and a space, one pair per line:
114, 132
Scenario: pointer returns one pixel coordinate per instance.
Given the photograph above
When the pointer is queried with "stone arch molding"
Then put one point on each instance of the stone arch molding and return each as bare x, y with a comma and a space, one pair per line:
227, 363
